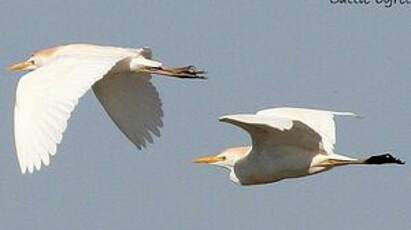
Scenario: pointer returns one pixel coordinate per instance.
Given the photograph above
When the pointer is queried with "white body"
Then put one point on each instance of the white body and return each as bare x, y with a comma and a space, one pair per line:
280, 163
274, 164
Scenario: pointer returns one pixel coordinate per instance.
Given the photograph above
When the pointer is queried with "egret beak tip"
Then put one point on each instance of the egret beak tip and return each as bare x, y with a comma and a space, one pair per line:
21, 66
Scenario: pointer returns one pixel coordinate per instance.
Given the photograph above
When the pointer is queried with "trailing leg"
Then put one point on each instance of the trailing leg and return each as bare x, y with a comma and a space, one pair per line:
178, 72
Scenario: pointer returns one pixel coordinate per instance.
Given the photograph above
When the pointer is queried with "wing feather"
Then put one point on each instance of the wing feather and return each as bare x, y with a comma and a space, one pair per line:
320, 121
45, 99
268, 132
134, 105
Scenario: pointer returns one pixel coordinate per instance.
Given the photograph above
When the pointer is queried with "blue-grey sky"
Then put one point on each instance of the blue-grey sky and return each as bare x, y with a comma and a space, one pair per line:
259, 54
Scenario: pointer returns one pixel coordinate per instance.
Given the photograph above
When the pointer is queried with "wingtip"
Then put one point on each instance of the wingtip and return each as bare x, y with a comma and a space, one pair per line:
350, 114
29, 169
224, 118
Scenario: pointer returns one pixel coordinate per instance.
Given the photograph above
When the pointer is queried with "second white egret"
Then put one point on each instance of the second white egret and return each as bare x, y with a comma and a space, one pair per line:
286, 143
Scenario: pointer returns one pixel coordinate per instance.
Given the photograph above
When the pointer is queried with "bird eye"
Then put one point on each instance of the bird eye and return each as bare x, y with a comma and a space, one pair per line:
32, 62
223, 158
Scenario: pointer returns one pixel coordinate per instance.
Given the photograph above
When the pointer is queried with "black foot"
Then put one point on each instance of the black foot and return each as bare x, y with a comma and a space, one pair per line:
384, 159
190, 72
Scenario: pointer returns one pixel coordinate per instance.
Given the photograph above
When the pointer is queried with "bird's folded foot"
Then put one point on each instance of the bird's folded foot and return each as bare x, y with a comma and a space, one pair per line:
384, 159
178, 72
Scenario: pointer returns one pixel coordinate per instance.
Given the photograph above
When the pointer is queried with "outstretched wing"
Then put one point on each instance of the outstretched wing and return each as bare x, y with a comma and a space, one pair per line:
321, 121
45, 99
133, 103
269, 132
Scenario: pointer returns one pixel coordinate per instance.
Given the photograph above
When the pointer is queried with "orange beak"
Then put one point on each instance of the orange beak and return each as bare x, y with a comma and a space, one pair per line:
21, 66
208, 159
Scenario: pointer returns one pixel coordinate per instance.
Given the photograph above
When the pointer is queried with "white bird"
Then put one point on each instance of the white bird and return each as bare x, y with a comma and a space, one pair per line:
286, 143
120, 78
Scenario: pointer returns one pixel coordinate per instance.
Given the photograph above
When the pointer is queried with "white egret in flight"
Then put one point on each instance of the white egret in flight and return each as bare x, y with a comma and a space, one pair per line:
286, 143
120, 78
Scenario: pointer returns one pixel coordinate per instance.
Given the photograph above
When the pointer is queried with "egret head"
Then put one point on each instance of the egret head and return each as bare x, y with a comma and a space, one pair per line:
226, 159
37, 60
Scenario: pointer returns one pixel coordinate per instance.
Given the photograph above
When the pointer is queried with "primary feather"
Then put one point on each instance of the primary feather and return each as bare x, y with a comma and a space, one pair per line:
44, 101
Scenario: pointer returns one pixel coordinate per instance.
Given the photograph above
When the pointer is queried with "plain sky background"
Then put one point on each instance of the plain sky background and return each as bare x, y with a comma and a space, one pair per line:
259, 54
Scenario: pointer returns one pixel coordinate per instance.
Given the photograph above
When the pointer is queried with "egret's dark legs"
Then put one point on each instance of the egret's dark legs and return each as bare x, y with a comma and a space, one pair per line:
179, 72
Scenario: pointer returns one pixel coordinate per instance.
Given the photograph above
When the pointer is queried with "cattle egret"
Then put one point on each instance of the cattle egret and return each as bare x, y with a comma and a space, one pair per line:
286, 143
120, 78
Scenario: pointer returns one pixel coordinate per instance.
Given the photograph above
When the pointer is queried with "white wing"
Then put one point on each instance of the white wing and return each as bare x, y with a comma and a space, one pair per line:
133, 104
251, 121
320, 121
269, 132
45, 99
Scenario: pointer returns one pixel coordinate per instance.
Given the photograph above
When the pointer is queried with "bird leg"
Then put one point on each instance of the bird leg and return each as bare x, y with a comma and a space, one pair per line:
335, 162
178, 72
377, 159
